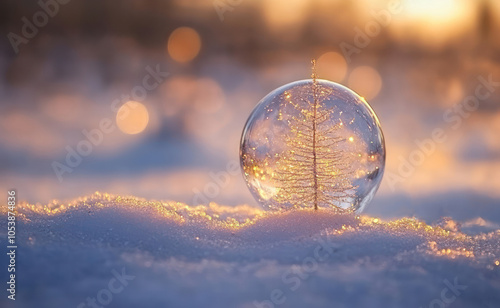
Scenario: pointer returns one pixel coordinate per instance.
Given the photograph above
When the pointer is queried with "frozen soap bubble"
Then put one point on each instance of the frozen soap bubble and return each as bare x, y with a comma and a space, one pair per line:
313, 144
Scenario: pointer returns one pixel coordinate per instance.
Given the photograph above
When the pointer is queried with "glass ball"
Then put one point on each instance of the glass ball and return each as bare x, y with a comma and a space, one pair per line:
313, 144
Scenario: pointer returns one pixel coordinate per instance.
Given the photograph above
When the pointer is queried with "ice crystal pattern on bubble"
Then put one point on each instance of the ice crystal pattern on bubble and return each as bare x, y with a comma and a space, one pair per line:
313, 143
313, 169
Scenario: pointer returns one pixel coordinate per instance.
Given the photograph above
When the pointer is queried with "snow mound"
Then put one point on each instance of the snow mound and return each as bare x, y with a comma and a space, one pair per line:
174, 255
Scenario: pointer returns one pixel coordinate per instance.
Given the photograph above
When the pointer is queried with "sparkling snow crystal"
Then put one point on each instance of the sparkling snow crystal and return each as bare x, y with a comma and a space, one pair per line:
175, 255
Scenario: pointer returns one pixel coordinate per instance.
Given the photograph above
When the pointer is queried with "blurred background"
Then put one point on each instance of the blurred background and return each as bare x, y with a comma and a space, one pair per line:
72, 74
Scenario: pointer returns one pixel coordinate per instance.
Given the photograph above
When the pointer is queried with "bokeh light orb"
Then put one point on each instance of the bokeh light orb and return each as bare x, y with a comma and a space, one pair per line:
184, 44
132, 118
313, 144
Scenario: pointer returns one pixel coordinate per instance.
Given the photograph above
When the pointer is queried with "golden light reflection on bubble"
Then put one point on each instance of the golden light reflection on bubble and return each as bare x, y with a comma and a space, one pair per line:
184, 44
132, 118
365, 81
331, 66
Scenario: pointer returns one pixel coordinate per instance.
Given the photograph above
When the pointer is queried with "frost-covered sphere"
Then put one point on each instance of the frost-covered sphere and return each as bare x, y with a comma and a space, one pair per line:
313, 144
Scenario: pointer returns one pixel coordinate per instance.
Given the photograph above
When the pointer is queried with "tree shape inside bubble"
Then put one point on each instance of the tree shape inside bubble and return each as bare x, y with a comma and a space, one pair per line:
313, 170
313, 144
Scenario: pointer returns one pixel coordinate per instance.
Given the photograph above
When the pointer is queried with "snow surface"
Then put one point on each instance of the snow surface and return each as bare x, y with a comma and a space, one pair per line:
221, 256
